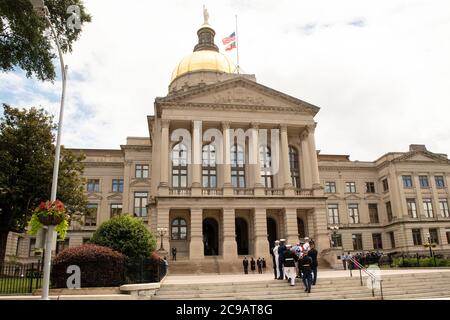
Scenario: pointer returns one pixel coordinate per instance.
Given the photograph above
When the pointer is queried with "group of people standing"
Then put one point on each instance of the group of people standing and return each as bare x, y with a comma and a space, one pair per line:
295, 261
260, 263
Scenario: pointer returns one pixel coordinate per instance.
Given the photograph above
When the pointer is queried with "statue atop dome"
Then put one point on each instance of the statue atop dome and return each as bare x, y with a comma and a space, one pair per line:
205, 15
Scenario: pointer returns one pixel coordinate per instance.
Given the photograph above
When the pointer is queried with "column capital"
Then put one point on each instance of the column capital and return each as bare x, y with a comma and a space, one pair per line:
311, 128
255, 125
283, 127
196, 123
165, 123
304, 134
225, 125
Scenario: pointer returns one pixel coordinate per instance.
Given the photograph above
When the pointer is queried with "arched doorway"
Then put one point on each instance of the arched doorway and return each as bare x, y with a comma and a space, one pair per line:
271, 231
211, 237
301, 228
241, 236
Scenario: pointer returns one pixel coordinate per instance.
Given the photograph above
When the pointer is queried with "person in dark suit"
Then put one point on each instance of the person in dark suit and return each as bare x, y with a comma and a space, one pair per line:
245, 264
264, 265
174, 253
259, 264
281, 250
313, 254
252, 265
305, 265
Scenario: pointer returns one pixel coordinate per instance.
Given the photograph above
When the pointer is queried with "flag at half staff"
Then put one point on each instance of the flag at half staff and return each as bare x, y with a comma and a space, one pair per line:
231, 46
230, 38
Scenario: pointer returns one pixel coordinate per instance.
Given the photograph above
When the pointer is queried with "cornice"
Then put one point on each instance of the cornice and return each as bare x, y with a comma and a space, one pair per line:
104, 164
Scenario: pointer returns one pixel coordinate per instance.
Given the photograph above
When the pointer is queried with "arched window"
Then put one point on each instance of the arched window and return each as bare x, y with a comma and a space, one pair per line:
179, 229
293, 163
179, 166
209, 170
237, 166
265, 160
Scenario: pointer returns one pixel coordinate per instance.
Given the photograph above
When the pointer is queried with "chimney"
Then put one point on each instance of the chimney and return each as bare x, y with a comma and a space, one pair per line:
417, 147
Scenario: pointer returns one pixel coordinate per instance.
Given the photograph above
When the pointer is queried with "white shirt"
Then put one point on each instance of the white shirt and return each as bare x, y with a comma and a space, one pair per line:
306, 246
275, 251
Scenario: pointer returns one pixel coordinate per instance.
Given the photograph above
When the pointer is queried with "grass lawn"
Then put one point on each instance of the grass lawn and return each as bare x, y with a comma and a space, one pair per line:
15, 285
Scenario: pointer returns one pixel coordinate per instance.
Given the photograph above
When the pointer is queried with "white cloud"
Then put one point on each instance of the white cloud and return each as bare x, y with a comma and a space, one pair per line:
379, 70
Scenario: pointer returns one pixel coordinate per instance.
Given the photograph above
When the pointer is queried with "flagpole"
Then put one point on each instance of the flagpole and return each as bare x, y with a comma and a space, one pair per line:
237, 46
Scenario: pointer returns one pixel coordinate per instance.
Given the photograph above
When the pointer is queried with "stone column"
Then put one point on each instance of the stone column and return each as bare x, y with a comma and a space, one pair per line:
227, 187
419, 200
229, 245
128, 175
163, 222
290, 225
434, 190
196, 158
321, 236
254, 161
196, 247
163, 188
313, 155
285, 166
305, 160
260, 241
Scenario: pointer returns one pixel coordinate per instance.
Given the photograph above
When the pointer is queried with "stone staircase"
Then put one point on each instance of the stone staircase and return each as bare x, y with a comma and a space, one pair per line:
208, 265
399, 286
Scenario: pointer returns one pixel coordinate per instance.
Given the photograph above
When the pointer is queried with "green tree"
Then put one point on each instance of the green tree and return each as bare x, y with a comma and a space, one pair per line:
23, 43
127, 235
26, 158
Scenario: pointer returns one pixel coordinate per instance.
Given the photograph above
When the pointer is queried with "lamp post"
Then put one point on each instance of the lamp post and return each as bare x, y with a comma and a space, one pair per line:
428, 244
42, 11
162, 232
334, 229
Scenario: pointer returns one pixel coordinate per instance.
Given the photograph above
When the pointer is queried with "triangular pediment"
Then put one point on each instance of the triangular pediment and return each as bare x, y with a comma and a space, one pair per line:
352, 197
422, 156
333, 197
239, 91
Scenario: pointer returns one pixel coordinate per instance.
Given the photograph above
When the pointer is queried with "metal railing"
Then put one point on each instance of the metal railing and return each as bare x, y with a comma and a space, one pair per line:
373, 278
20, 278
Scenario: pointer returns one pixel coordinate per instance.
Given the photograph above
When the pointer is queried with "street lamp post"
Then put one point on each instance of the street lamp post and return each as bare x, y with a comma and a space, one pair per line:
42, 11
162, 232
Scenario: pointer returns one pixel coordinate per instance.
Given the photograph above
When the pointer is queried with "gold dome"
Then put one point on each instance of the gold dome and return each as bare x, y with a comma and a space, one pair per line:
208, 60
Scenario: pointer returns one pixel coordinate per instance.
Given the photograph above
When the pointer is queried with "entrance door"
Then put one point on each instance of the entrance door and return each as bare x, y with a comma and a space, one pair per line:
211, 237
241, 236
272, 232
301, 228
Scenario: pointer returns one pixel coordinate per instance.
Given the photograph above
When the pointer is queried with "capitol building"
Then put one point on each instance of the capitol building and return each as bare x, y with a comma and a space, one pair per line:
217, 192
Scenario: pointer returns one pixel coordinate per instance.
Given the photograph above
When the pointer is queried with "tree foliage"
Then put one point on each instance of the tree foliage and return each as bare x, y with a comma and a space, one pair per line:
23, 42
127, 235
26, 157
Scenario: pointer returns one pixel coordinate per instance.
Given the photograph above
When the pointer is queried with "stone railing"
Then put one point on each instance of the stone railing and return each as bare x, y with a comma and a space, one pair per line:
274, 192
304, 192
243, 191
180, 191
212, 192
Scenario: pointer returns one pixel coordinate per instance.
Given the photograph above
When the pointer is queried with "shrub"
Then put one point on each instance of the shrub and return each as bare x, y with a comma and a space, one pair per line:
100, 266
127, 235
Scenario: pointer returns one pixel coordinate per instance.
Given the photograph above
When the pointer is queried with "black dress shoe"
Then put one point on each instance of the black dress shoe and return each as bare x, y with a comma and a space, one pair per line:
306, 290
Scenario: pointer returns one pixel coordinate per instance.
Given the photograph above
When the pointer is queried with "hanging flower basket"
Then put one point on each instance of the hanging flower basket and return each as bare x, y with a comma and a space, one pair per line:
50, 214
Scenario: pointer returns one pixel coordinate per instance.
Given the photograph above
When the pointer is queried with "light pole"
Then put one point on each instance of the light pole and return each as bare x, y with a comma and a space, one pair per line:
334, 229
42, 11
162, 232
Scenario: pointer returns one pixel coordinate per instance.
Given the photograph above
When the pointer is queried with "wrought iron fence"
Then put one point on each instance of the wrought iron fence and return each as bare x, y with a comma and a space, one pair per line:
20, 278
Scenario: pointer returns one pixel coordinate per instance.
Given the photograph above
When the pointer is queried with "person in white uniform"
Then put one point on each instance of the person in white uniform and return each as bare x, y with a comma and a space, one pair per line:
276, 263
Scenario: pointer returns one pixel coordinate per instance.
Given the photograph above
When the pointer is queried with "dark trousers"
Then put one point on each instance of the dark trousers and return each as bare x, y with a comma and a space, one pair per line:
280, 262
246, 270
174, 256
344, 263
314, 274
307, 280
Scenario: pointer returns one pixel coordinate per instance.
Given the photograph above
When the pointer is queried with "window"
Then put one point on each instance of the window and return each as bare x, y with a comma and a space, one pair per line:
265, 163
448, 236
434, 236
353, 213
295, 168
116, 209
357, 241
423, 181
32, 247
179, 229
179, 166
407, 182
377, 241
417, 237
20, 242
412, 208
61, 245
428, 208
385, 185
373, 213
350, 187
90, 220
117, 185
141, 171
392, 238
237, 166
209, 169
333, 214
93, 185
370, 187
439, 181
336, 240
330, 187
140, 204
389, 211
443, 207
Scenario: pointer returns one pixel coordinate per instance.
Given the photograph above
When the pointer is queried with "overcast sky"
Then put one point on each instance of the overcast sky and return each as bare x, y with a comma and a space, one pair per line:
379, 70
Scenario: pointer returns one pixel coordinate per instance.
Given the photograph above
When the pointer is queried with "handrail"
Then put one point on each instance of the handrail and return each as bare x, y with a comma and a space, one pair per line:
370, 274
